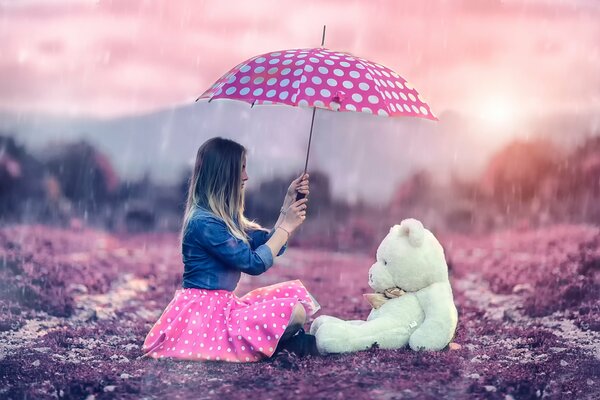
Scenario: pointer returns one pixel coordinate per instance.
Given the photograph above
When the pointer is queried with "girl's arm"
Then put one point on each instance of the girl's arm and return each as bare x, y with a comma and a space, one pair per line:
260, 236
287, 202
277, 240
213, 235
280, 234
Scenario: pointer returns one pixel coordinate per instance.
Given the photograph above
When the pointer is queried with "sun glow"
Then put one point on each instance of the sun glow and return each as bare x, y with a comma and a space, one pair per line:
498, 112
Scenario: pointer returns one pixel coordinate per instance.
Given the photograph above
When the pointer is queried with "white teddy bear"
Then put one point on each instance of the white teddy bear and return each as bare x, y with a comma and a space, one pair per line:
410, 268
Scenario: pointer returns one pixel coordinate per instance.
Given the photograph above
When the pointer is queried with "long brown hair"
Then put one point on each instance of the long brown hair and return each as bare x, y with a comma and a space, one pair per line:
216, 185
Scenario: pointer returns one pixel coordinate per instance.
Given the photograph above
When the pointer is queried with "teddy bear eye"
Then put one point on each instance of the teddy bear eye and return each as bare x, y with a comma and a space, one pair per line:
384, 262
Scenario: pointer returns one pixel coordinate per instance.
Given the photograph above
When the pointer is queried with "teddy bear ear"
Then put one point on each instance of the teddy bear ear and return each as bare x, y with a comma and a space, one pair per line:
414, 230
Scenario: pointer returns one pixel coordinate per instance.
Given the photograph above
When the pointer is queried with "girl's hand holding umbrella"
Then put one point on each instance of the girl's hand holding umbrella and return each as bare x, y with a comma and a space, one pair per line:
298, 189
293, 212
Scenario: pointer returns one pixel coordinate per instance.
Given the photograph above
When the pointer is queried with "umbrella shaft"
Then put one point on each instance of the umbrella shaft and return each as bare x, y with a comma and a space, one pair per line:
312, 124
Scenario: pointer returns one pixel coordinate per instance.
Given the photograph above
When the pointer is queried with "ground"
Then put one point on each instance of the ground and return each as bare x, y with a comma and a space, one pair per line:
75, 307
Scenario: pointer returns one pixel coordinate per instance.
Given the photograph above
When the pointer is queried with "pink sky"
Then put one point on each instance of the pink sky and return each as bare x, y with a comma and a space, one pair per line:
121, 57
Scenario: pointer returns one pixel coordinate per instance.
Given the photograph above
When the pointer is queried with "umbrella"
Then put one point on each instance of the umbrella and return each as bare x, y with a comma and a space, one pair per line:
320, 78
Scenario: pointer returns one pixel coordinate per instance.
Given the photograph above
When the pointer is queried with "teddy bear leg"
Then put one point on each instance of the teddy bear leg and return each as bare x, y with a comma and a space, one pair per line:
332, 338
320, 320
356, 322
431, 335
349, 337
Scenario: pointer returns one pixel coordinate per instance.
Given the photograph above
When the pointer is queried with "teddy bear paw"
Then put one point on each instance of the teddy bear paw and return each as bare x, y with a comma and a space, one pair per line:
320, 320
332, 338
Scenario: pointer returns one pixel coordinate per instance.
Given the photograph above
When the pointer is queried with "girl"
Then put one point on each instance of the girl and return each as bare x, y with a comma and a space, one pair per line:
205, 320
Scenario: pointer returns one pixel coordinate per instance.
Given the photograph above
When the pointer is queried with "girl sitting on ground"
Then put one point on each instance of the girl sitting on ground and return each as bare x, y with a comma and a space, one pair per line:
205, 320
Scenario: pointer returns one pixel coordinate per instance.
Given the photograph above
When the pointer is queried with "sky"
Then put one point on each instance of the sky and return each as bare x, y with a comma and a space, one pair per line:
498, 60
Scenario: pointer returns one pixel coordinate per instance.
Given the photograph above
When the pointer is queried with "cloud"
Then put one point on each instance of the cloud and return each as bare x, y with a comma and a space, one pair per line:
124, 57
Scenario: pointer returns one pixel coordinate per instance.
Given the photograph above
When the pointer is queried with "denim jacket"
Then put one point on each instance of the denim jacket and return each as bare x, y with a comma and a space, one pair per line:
214, 259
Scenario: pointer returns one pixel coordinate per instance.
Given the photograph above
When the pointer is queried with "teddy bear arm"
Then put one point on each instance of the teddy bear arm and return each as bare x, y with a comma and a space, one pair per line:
441, 318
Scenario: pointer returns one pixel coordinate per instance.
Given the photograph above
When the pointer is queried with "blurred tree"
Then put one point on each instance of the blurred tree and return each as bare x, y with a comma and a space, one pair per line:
514, 175
85, 175
576, 187
264, 203
469, 211
183, 186
414, 191
22, 188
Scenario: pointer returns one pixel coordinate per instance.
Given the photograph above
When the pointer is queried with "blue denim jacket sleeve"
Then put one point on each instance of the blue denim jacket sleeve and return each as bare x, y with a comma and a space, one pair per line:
259, 237
231, 251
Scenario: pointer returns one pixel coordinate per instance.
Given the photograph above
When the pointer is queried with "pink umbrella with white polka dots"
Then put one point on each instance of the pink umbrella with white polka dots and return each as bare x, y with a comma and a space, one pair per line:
320, 78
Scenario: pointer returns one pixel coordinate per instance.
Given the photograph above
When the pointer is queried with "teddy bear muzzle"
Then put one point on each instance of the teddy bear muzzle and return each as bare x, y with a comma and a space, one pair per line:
379, 278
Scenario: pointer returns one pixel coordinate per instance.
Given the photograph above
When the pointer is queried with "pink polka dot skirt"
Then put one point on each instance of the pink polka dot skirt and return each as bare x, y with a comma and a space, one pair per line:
201, 324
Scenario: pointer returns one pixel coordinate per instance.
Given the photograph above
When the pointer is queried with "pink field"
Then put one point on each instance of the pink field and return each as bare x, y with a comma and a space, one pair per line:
75, 307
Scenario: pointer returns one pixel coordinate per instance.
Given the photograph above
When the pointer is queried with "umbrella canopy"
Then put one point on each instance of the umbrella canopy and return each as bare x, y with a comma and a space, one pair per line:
321, 78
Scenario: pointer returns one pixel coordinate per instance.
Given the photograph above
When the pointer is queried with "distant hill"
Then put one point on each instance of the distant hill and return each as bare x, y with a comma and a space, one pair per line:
365, 156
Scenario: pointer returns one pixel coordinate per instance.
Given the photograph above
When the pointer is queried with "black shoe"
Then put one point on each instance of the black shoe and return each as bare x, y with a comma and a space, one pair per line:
302, 344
